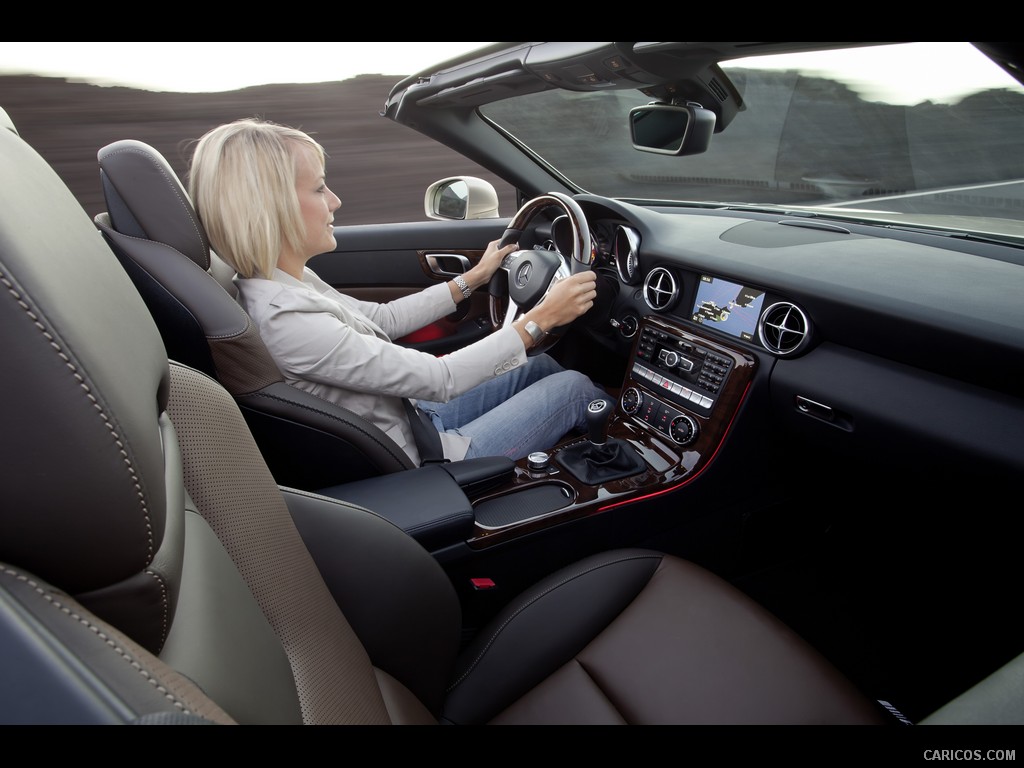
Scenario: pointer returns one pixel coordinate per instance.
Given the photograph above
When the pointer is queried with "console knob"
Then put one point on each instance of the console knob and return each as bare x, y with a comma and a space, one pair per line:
682, 429
537, 461
631, 400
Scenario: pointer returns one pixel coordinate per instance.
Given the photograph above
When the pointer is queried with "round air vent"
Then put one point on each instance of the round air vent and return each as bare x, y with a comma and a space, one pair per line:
660, 289
784, 329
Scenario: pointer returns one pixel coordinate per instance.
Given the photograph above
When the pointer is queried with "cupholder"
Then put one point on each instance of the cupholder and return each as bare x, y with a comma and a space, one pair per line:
512, 508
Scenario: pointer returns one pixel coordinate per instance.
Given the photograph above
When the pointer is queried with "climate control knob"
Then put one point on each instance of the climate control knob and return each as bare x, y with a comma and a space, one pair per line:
631, 400
682, 429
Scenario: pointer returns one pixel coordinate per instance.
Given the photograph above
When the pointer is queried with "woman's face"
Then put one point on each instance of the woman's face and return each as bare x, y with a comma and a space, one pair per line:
316, 202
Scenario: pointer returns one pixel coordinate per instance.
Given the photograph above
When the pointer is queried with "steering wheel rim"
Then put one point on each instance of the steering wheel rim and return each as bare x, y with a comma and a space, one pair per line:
526, 277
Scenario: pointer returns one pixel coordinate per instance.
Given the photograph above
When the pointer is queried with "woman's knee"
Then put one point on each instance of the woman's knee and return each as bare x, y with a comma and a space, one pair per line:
542, 366
578, 386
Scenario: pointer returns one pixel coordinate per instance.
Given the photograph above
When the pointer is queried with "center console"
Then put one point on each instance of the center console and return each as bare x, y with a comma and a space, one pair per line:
678, 398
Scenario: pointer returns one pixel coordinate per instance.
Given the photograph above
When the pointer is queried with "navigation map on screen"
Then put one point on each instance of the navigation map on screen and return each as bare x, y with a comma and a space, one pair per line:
728, 307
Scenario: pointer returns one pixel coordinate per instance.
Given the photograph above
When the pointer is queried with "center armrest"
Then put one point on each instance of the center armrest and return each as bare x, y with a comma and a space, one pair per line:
425, 502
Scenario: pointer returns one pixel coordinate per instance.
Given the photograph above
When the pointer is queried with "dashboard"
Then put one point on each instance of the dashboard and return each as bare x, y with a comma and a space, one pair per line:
907, 296
745, 312
870, 339
738, 333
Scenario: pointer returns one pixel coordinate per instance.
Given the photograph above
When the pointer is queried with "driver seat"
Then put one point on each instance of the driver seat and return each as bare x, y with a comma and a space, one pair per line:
151, 569
152, 227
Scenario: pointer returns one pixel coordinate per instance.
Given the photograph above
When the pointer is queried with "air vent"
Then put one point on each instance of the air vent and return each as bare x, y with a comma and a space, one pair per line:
660, 289
784, 329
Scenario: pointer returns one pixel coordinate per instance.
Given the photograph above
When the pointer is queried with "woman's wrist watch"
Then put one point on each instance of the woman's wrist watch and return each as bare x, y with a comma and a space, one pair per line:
534, 331
460, 281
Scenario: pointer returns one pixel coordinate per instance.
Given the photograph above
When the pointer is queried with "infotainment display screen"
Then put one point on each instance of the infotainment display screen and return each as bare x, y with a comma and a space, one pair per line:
728, 307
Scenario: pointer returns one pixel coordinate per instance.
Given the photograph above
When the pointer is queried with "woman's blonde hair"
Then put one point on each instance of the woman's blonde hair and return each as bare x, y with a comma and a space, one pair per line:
242, 183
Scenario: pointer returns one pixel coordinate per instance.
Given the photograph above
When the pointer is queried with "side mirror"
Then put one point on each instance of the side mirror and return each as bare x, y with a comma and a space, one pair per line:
671, 129
461, 198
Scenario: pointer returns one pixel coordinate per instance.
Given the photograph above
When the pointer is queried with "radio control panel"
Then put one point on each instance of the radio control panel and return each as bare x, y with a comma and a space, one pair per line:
682, 370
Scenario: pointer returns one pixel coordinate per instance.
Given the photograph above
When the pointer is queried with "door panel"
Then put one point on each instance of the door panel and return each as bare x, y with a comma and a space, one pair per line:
382, 262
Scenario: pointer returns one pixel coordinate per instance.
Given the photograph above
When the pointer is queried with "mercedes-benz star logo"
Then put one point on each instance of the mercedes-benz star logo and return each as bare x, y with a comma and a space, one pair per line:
523, 274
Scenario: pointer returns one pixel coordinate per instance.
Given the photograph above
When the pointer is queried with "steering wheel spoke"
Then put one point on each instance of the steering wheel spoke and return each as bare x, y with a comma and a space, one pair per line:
512, 313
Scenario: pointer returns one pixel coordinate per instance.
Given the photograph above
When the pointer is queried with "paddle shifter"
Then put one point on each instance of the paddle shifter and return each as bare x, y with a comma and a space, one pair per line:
601, 459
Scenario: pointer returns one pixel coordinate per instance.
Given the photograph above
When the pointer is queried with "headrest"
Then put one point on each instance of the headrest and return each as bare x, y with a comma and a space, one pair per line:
83, 384
146, 199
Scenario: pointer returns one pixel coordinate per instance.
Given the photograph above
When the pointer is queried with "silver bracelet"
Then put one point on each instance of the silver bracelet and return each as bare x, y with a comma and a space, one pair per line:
534, 331
460, 281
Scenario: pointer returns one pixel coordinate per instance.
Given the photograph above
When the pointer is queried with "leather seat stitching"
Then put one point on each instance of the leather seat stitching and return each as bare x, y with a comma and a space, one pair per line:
110, 642
97, 407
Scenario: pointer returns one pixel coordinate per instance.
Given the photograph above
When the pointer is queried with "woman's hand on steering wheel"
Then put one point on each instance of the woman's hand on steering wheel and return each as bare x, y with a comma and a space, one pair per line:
568, 299
484, 269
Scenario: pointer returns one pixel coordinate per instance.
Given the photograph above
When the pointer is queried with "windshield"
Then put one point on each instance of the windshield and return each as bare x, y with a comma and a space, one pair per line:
926, 134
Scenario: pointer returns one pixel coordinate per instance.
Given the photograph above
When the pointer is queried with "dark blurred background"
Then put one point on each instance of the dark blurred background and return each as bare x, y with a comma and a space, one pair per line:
378, 168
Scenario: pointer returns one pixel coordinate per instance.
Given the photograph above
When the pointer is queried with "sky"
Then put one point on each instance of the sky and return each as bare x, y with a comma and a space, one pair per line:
942, 72
214, 67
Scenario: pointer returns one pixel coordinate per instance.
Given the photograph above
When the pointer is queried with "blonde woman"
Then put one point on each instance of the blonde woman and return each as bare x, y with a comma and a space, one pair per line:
261, 192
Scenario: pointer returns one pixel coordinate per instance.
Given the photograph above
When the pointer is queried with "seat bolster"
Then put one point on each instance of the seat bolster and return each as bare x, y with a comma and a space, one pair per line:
402, 706
220, 638
64, 665
233, 490
219, 315
143, 605
543, 629
390, 589
312, 443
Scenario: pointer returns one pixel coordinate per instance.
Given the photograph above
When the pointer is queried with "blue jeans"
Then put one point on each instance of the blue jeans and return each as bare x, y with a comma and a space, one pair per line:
527, 409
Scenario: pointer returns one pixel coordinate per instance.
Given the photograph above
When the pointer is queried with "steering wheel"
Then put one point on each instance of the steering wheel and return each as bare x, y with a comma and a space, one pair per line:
525, 278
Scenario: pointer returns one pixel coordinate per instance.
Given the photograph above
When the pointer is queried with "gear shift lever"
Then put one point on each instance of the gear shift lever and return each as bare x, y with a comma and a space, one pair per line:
602, 459
598, 414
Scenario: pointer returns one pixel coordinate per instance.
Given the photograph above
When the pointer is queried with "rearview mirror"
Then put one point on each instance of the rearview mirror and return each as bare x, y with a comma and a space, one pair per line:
671, 129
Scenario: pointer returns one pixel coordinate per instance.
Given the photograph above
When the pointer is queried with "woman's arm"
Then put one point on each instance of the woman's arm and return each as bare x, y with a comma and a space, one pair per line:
320, 344
410, 313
